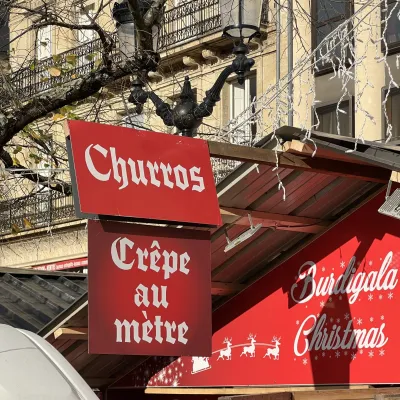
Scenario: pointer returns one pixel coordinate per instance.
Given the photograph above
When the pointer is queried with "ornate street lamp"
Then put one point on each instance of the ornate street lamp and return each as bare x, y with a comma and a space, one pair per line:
128, 38
241, 22
241, 19
125, 30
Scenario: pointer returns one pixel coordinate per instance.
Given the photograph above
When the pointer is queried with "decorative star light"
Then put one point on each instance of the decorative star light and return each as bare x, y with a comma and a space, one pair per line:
347, 316
371, 354
359, 321
322, 304
338, 320
380, 297
370, 263
305, 361
342, 264
371, 319
382, 352
353, 356
323, 354
175, 382
390, 296
330, 299
337, 354
323, 269
382, 317
340, 297
297, 322
331, 319
361, 351
345, 353
316, 357
370, 297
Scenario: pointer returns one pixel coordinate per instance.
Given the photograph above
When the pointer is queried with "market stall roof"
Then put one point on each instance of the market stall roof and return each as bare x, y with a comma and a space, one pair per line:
319, 191
31, 299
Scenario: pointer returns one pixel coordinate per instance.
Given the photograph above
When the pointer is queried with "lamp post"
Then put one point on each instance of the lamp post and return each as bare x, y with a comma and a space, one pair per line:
241, 22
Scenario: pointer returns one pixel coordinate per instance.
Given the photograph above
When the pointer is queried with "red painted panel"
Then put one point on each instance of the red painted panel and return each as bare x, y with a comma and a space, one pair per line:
149, 290
141, 174
328, 315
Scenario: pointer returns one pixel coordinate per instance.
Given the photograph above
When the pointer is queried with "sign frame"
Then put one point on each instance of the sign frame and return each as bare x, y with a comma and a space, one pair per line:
149, 284
109, 217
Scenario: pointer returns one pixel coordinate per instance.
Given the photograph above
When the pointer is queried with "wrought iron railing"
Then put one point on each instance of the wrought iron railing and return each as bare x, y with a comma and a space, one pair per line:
191, 20
50, 208
37, 77
36, 211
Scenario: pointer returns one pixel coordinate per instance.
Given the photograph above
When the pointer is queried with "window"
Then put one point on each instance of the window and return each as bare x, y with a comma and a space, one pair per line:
392, 34
327, 16
84, 18
44, 198
134, 121
392, 109
172, 101
43, 42
241, 97
186, 17
4, 32
328, 119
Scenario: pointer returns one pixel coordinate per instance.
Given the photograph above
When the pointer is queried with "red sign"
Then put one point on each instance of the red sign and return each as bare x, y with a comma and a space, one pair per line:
61, 265
149, 290
328, 315
141, 174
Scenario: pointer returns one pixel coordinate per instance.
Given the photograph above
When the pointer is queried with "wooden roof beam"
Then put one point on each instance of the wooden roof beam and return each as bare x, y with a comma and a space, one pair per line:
71, 333
298, 162
298, 147
225, 289
239, 216
240, 391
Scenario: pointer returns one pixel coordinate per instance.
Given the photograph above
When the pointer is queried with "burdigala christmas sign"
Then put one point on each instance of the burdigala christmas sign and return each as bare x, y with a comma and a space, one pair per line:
328, 315
149, 290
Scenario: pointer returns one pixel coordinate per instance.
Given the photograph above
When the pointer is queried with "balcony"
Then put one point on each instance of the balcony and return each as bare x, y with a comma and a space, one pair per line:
189, 21
38, 211
51, 208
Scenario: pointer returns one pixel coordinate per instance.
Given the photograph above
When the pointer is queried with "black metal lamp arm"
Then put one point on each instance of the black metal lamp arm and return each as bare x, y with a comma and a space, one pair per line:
205, 108
139, 96
240, 65
187, 115
163, 110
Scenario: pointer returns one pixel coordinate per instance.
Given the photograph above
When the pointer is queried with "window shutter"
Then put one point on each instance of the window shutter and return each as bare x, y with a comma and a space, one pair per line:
43, 42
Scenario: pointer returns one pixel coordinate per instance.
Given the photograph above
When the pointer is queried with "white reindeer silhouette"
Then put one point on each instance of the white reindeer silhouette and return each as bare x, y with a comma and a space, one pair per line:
275, 350
250, 349
226, 352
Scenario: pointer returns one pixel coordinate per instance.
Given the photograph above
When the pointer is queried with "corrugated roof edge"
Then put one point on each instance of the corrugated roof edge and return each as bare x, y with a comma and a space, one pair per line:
29, 272
69, 312
379, 154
